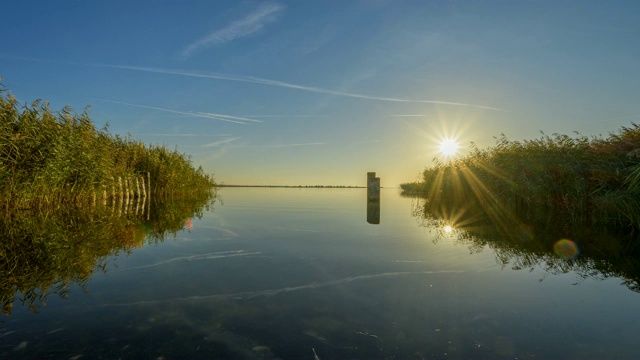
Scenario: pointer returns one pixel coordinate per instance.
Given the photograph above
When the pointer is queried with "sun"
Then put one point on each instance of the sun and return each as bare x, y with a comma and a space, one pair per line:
448, 147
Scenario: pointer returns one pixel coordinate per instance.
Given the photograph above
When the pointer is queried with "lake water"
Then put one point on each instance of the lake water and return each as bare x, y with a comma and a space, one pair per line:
283, 273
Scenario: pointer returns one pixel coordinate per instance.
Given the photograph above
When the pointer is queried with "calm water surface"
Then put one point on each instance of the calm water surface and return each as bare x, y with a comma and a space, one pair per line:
281, 273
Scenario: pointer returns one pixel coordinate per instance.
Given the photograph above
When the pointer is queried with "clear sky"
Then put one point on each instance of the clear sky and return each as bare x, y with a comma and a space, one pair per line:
320, 92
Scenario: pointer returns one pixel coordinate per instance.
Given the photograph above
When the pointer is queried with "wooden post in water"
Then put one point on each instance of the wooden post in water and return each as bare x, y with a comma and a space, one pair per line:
120, 192
120, 196
373, 198
143, 206
149, 193
113, 190
144, 193
126, 196
373, 186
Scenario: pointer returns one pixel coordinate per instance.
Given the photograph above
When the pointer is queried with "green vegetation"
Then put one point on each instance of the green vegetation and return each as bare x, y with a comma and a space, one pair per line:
527, 244
72, 195
49, 158
45, 253
577, 181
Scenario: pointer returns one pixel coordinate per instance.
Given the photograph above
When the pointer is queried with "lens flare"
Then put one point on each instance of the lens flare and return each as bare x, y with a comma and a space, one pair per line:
448, 229
566, 249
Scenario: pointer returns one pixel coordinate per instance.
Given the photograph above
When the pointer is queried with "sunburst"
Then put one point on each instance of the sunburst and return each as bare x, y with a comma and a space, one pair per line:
448, 147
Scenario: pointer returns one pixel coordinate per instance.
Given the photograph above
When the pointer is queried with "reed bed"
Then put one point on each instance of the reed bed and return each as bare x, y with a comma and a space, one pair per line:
574, 181
59, 158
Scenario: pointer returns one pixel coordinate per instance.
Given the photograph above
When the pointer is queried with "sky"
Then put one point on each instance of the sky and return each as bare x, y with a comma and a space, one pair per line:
322, 92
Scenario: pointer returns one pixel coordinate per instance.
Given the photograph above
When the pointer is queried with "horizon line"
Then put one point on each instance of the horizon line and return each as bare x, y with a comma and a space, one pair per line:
299, 186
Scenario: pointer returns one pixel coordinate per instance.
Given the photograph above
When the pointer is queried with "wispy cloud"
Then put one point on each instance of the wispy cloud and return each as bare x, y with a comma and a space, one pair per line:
319, 39
290, 145
262, 81
249, 24
220, 142
220, 117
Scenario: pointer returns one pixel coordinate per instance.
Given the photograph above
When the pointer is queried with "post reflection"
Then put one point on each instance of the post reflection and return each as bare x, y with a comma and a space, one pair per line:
373, 198
373, 211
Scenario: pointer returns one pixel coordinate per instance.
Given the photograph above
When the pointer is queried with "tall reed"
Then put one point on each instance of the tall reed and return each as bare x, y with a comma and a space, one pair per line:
52, 158
580, 180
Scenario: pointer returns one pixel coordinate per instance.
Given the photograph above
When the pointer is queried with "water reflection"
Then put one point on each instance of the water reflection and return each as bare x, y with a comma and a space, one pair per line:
286, 273
373, 211
522, 244
45, 252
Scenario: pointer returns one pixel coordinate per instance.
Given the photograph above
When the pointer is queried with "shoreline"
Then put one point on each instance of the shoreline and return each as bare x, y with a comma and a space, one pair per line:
295, 186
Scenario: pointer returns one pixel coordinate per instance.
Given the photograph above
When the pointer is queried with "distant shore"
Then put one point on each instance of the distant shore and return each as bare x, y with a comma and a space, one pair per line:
295, 186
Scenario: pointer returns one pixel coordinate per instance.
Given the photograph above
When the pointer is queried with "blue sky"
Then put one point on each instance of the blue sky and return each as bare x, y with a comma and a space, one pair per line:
320, 92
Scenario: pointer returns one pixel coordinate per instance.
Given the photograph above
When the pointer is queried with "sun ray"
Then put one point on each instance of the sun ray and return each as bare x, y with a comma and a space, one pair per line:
448, 147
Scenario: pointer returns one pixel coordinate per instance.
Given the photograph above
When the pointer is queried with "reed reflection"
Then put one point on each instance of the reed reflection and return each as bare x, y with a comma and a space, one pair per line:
522, 243
45, 252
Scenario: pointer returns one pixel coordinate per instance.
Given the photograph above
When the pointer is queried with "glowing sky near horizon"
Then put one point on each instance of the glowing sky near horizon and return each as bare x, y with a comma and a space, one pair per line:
321, 92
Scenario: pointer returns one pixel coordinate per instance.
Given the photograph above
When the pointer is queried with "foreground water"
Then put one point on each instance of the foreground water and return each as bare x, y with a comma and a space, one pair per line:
284, 273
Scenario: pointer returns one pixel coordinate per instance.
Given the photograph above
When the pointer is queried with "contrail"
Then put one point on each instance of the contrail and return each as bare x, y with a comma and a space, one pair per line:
286, 116
221, 117
262, 81
289, 145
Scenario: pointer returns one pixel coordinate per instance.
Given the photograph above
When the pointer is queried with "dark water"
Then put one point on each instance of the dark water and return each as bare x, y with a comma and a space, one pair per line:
281, 273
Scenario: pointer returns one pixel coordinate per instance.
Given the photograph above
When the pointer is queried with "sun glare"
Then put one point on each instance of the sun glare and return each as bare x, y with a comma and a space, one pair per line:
448, 147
